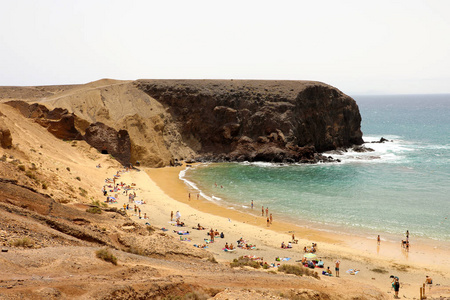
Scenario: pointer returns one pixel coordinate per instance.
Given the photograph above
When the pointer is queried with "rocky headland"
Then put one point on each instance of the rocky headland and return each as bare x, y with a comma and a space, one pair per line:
156, 123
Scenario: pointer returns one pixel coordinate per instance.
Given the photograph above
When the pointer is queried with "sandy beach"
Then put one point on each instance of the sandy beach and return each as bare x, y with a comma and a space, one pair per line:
163, 193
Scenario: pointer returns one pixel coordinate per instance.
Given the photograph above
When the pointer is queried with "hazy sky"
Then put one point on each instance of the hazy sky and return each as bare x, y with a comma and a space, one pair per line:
360, 47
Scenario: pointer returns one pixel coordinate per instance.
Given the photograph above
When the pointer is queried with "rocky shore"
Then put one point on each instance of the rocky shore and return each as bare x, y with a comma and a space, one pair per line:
156, 123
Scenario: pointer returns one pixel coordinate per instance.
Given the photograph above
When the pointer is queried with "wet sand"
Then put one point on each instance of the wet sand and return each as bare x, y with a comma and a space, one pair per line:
164, 192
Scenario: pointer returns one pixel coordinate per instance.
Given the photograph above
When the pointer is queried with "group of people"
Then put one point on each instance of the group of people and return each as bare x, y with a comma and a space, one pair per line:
313, 248
112, 187
405, 243
284, 246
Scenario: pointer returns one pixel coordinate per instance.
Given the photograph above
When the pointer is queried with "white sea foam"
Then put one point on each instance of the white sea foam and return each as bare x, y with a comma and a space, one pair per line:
262, 164
182, 175
388, 152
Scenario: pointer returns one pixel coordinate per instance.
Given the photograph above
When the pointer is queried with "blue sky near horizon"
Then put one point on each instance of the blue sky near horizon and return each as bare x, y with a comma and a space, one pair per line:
360, 47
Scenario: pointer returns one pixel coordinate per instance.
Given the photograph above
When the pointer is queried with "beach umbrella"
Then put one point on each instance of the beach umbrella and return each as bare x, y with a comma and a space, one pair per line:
112, 198
309, 255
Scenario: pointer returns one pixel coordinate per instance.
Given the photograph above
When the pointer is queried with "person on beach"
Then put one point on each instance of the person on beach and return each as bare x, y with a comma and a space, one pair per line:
407, 234
171, 214
378, 239
271, 219
428, 280
145, 215
198, 196
268, 221
189, 197
262, 211
211, 234
329, 271
396, 286
252, 204
267, 211
337, 267
177, 215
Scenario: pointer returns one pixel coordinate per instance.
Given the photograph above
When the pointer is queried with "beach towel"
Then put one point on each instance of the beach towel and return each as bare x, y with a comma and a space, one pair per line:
352, 272
164, 229
181, 232
285, 258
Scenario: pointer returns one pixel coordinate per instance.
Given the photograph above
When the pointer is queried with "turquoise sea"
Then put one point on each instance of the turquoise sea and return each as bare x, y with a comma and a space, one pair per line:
403, 185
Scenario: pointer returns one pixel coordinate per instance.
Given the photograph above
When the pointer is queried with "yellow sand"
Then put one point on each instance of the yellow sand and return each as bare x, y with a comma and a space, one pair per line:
164, 192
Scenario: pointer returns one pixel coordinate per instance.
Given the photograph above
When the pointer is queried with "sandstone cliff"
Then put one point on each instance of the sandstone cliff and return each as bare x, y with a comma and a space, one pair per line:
157, 122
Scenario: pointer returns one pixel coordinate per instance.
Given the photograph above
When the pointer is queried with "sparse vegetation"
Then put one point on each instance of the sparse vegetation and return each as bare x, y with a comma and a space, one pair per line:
21, 168
98, 203
94, 210
401, 268
105, 255
3, 158
68, 169
244, 261
379, 270
33, 166
95, 207
78, 178
23, 242
299, 271
44, 186
83, 192
30, 174
213, 260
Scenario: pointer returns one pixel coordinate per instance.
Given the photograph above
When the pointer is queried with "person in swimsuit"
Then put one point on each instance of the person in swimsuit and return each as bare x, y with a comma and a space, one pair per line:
337, 267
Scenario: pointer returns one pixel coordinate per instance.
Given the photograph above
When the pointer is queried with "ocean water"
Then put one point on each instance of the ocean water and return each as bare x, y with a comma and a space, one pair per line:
403, 185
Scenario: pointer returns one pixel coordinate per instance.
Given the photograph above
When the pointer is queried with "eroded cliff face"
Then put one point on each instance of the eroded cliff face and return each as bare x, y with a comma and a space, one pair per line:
281, 121
157, 122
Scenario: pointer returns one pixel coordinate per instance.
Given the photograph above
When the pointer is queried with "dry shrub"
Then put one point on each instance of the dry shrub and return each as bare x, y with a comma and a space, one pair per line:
83, 192
379, 270
21, 167
244, 261
94, 210
23, 242
30, 174
105, 255
299, 271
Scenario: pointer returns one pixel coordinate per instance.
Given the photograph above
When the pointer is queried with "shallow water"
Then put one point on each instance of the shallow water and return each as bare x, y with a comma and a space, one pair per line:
402, 185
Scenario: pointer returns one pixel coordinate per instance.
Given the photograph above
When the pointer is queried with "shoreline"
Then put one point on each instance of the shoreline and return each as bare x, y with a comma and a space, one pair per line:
322, 229
164, 192
419, 254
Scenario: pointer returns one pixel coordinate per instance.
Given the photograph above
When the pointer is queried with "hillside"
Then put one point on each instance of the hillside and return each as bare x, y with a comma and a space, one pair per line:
49, 240
160, 122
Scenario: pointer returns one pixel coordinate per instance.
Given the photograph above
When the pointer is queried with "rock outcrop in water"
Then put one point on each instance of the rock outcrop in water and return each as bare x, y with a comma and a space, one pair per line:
157, 122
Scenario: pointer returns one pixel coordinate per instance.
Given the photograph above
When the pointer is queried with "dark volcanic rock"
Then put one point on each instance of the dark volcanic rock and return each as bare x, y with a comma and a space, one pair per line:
5, 134
109, 141
280, 121
58, 121
5, 137
362, 149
